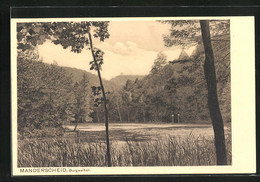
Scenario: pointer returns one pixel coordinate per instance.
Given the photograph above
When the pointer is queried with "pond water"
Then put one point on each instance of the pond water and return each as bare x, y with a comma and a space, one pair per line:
143, 132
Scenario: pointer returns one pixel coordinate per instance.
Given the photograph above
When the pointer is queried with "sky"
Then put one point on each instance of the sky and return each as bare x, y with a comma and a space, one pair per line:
130, 50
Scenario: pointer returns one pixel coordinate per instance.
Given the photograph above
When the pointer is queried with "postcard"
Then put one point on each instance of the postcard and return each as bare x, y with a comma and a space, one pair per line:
125, 96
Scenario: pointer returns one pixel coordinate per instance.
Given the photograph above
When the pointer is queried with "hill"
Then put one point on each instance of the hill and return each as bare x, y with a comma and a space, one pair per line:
93, 79
121, 79
77, 74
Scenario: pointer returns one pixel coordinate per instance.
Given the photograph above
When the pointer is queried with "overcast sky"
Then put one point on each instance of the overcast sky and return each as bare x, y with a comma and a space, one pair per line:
131, 49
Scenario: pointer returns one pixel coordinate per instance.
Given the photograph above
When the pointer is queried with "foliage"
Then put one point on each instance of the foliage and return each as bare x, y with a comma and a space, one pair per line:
47, 96
83, 102
68, 34
187, 32
44, 95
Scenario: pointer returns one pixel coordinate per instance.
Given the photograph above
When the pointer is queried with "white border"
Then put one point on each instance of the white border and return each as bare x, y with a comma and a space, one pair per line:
242, 105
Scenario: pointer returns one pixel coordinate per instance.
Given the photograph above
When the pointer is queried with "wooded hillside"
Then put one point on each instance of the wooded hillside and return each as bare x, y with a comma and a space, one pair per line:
120, 80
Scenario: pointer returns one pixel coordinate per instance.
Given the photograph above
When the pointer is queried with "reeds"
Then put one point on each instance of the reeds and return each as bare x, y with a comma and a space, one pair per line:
169, 151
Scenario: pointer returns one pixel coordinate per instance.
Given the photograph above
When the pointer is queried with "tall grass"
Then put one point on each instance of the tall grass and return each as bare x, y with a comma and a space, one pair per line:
170, 151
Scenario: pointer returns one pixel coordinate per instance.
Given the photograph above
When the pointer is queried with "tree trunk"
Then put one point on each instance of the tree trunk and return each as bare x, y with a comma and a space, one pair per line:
128, 116
97, 115
76, 126
77, 121
144, 115
105, 101
118, 110
157, 114
213, 104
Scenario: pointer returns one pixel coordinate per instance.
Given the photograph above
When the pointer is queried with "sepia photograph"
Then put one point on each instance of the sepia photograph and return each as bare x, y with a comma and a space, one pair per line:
124, 93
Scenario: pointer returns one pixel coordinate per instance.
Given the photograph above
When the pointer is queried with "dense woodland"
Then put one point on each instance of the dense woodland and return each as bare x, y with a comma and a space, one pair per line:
50, 95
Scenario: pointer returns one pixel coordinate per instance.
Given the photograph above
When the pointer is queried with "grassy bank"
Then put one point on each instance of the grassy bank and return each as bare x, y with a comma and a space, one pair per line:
169, 151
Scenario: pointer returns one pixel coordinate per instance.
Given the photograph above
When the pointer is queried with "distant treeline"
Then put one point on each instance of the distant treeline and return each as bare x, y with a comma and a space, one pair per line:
49, 95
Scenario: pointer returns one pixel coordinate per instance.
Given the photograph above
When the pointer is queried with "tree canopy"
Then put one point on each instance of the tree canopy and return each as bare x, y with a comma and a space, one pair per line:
68, 34
187, 32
